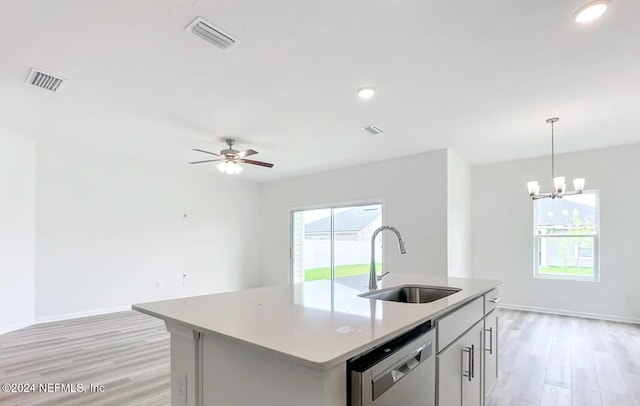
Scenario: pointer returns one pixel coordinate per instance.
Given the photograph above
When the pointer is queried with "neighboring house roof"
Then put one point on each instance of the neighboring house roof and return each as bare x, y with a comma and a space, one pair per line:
563, 212
354, 219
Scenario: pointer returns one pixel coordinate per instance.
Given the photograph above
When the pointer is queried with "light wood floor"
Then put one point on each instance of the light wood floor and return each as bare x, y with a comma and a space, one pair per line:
126, 352
544, 360
552, 360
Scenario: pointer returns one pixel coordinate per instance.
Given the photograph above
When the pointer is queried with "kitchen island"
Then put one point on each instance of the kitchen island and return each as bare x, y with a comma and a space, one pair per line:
288, 345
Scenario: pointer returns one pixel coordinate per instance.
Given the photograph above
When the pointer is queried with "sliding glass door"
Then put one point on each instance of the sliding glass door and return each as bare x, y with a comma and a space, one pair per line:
334, 243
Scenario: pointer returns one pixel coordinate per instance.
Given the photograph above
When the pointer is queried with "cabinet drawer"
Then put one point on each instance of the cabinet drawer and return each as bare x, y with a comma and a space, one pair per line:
457, 322
491, 299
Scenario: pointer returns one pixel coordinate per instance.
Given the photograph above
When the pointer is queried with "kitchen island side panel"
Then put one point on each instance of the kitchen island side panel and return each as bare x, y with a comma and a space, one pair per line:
241, 374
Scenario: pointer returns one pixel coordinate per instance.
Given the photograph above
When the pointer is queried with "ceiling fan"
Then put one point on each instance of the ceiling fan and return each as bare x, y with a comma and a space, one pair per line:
230, 159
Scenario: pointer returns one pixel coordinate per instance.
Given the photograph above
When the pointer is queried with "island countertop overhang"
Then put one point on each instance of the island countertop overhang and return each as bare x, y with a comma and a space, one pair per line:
315, 324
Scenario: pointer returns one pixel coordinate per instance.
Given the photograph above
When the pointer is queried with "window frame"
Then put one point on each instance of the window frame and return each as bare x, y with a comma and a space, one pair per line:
537, 242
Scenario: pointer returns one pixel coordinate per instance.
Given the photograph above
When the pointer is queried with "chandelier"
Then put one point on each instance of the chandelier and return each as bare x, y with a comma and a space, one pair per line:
559, 185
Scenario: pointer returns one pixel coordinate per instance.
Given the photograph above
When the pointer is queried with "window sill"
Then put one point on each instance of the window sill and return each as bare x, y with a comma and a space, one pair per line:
567, 277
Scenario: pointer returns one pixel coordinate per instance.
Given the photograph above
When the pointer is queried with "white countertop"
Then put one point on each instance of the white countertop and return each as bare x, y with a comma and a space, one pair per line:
308, 324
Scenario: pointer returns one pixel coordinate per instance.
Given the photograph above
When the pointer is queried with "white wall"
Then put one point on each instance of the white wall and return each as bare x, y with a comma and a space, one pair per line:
502, 236
17, 202
458, 216
108, 229
414, 193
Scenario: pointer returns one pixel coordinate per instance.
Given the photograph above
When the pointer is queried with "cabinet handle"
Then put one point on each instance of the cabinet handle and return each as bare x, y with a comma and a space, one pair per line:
494, 299
473, 361
469, 373
490, 330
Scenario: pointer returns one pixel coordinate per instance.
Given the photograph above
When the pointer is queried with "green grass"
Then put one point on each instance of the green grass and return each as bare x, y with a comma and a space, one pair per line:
363, 269
341, 271
570, 270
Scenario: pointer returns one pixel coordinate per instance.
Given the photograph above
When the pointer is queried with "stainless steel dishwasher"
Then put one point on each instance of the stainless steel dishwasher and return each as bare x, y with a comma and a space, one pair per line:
398, 373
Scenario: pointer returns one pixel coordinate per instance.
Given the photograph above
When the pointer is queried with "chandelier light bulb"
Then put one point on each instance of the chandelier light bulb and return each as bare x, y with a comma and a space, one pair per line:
558, 183
578, 184
534, 188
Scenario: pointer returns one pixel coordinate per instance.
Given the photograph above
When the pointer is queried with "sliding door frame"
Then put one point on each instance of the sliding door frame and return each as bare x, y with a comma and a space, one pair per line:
331, 207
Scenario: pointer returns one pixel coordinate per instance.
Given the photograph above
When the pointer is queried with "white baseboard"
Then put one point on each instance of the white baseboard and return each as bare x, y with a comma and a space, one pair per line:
77, 315
608, 317
16, 326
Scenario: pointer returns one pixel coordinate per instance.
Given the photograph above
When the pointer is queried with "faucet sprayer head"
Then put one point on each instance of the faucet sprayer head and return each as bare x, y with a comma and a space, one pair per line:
403, 246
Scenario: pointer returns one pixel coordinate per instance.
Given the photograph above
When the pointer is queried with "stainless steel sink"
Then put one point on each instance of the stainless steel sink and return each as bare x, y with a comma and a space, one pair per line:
411, 293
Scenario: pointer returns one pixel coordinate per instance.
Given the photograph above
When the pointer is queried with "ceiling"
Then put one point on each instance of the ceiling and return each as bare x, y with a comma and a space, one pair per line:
478, 77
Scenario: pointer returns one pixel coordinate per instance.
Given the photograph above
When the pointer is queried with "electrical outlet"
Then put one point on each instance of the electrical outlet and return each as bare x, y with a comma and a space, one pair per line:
181, 387
158, 285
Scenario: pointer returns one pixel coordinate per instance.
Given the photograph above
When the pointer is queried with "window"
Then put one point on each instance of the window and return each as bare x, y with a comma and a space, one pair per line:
566, 237
334, 243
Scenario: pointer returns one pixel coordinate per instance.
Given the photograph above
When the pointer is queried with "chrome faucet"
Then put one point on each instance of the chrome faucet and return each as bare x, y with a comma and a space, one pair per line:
373, 278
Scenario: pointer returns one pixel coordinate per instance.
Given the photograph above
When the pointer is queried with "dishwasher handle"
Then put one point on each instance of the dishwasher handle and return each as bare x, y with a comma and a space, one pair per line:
386, 380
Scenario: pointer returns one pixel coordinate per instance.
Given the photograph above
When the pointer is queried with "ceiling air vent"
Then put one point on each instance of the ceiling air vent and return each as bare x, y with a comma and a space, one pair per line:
373, 129
45, 80
208, 32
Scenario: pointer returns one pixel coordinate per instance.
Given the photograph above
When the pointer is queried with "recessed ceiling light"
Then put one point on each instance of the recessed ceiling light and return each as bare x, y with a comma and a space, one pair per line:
366, 92
591, 11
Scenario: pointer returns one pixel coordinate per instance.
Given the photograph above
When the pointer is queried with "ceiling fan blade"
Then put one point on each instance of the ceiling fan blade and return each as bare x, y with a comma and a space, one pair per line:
246, 152
209, 160
206, 152
249, 161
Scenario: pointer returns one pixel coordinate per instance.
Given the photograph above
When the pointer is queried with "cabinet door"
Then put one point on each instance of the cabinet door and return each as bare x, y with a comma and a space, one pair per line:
490, 351
472, 366
449, 375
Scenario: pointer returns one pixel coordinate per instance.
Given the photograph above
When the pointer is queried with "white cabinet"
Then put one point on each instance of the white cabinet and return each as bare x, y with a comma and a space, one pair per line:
456, 323
449, 375
459, 370
490, 363
491, 300
467, 357
472, 367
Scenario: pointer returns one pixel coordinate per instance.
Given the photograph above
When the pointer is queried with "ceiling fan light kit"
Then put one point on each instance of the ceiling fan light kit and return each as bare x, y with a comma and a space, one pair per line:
559, 185
230, 168
231, 159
